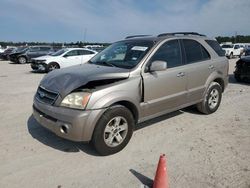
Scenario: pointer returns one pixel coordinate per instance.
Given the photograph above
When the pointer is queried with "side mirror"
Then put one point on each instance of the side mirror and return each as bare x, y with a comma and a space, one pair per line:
158, 66
65, 56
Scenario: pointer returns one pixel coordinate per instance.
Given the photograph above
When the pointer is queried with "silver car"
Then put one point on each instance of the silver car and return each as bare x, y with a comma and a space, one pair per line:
131, 81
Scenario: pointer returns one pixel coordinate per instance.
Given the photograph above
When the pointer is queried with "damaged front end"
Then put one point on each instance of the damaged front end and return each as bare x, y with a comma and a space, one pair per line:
79, 98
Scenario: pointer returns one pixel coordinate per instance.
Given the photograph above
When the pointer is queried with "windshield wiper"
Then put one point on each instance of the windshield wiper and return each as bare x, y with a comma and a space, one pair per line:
103, 63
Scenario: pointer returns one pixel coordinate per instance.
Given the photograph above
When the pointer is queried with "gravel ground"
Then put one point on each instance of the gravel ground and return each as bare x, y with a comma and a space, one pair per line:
202, 150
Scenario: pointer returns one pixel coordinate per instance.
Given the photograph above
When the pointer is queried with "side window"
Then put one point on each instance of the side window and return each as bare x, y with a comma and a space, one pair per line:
85, 52
169, 52
216, 47
34, 49
72, 53
236, 47
195, 52
44, 48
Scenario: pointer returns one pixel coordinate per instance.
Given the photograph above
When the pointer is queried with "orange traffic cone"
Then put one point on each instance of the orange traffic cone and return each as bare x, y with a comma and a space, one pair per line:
161, 176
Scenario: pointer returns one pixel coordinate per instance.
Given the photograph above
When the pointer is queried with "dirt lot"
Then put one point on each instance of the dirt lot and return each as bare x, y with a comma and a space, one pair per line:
202, 151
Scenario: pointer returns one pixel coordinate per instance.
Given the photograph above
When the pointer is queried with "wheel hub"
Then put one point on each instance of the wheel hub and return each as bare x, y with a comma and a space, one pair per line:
213, 98
115, 131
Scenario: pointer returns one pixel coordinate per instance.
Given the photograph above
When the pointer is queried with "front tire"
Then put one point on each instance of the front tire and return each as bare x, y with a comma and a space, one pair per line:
52, 66
231, 55
113, 130
212, 99
22, 60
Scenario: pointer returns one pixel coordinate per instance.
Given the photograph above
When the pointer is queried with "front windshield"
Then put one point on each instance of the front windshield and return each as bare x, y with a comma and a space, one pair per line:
227, 46
124, 54
59, 52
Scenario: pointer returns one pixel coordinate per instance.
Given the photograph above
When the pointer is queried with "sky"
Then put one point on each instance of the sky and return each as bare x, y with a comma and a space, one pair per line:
112, 20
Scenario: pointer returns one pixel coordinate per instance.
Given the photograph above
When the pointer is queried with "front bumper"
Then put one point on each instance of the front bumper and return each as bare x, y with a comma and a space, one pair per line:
38, 66
13, 59
75, 125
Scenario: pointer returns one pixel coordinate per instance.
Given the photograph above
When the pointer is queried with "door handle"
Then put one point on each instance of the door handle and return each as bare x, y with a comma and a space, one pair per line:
211, 67
180, 74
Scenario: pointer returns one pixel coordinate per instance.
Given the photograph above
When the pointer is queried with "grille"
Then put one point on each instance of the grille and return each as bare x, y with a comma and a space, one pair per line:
44, 115
46, 96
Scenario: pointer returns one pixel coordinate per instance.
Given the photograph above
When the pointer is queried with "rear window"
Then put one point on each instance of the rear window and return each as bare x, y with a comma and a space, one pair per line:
216, 47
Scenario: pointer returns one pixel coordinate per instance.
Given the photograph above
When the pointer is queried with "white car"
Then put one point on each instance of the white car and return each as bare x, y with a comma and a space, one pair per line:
1, 50
63, 58
232, 50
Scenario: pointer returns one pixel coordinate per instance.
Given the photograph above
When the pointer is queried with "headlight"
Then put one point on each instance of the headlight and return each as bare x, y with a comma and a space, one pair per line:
78, 100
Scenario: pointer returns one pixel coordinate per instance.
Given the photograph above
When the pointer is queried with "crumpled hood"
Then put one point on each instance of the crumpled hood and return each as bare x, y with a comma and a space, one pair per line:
68, 79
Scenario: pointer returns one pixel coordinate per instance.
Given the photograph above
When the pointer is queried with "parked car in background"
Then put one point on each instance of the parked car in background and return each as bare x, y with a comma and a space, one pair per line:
27, 54
233, 50
5, 55
247, 52
242, 69
62, 58
97, 48
2, 50
102, 100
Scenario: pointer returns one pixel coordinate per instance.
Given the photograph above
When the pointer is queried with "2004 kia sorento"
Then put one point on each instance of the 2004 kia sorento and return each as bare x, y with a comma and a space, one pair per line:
131, 81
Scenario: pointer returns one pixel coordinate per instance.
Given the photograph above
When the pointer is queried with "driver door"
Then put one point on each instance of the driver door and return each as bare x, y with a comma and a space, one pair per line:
165, 90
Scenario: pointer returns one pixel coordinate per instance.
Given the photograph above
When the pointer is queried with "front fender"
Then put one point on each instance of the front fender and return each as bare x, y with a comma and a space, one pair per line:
128, 90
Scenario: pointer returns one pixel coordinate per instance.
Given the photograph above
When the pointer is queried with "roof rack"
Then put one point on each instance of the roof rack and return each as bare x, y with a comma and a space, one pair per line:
180, 33
135, 36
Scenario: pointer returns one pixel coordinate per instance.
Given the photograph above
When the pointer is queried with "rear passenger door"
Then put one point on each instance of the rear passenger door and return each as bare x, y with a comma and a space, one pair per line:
165, 90
198, 67
86, 55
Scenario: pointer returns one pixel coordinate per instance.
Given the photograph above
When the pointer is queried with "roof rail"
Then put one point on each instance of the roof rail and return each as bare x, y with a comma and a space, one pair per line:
180, 33
134, 36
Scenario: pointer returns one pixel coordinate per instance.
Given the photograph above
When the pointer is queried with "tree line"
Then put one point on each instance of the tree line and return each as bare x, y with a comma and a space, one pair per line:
220, 39
55, 44
234, 39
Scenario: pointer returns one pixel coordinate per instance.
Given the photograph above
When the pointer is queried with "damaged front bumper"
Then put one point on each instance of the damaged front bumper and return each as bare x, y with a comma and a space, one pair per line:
38, 66
75, 125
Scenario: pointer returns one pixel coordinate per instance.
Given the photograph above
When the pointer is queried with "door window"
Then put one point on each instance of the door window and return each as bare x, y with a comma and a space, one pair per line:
195, 52
85, 52
43, 48
34, 49
72, 53
169, 52
236, 47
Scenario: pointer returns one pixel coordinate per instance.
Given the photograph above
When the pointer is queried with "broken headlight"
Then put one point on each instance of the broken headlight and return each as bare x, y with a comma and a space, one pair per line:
78, 100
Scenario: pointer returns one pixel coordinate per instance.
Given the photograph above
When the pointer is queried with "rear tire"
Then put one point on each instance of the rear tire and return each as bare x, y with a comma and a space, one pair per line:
22, 60
113, 130
237, 78
212, 99
52, 66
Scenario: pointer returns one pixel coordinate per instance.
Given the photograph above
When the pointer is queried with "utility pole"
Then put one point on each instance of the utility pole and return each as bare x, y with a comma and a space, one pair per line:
235, 37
